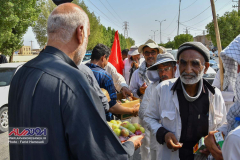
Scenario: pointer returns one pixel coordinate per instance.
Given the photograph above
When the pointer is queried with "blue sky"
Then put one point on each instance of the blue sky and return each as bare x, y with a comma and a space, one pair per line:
141, 15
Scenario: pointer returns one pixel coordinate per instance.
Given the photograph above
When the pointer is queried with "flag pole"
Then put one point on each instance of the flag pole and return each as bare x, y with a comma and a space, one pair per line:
219, 46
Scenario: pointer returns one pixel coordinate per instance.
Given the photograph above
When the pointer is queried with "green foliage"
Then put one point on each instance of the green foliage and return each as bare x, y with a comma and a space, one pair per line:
16, 17
229, 28
170, 44
40, 29
98, 32
182, 38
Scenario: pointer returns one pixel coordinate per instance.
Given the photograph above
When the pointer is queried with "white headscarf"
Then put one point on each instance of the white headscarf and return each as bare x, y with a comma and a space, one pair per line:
231, 58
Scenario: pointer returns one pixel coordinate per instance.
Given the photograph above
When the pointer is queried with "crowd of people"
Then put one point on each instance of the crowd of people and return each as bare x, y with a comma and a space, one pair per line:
57, 91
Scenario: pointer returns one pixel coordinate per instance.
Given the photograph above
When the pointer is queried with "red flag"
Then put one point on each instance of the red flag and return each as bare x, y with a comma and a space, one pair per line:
115, 57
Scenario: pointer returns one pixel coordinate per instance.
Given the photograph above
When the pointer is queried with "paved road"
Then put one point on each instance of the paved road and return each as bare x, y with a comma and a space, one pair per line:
4, 152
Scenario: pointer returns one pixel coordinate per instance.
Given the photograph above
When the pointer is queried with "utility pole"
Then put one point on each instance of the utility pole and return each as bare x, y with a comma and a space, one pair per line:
160, 29
151, 36
204, 37
169, 39
179, 16
31, 46
186, 31
154, 33
125, 27
235, 6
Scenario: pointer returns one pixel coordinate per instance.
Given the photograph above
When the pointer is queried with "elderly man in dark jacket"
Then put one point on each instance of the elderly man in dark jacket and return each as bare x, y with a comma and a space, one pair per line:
50, 92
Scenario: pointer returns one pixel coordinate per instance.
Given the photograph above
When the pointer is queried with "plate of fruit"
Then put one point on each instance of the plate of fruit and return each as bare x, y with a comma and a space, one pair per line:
125, 130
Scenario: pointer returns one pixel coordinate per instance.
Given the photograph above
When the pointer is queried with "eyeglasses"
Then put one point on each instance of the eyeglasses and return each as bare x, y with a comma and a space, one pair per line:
153, 53
164, 69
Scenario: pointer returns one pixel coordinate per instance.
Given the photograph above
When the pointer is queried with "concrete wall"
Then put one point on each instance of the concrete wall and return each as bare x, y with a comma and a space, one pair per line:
22, 58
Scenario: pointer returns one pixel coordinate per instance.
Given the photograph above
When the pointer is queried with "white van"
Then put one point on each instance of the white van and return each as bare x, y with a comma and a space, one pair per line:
7, 71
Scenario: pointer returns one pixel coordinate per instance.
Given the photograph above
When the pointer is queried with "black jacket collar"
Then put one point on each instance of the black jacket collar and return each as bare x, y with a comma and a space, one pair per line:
60, 54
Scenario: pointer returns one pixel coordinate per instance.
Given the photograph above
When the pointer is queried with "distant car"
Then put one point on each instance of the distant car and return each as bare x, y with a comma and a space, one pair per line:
212, 55
214, 65
210, 75
174, 53
7, 71
168, 50
216, 53
87, 56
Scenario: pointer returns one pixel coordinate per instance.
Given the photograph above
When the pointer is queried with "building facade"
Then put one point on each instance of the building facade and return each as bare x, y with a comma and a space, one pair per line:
204, 40
25, 50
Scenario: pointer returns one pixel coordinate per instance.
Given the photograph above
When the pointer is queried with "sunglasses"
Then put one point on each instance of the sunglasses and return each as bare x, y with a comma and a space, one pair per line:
164, 69
153, 53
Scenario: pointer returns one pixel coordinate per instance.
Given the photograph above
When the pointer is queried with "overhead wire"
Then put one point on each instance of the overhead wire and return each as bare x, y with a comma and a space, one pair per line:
210, 15
114, 11
171, 22
104, 14
109, 11
189, 5
199, 13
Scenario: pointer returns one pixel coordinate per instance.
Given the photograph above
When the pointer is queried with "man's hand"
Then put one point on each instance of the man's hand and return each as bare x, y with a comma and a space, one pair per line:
143, 88
172, 142
126, 92
212, 147
134, 63
137, 141
135, 110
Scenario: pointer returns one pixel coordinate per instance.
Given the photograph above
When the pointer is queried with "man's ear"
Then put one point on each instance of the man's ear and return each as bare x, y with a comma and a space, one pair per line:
102, 58
175, 68
206, 67
178, 62
80, 34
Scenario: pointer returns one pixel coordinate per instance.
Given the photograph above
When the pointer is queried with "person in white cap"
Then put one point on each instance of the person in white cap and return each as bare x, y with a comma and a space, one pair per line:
165, 67
139, 80
133, 60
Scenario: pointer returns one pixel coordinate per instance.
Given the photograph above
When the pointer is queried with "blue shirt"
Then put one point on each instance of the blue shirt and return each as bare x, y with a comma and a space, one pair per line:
105, 81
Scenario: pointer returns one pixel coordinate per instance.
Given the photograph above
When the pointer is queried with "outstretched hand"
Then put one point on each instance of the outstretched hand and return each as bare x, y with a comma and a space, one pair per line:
172, 142
212, 147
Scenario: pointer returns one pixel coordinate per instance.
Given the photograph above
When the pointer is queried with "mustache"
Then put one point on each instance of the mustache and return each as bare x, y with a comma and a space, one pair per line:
188, 74
150, 58
164, 77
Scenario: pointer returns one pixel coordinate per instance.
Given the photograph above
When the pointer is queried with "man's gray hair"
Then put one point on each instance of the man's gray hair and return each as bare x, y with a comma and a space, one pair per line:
61, 27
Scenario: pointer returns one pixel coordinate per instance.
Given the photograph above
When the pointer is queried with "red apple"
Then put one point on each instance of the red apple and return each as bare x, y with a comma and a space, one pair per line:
138, 132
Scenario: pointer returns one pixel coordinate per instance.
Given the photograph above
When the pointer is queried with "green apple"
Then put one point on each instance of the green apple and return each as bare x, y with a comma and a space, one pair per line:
124, 133
115, 126
137, 126
131, 128
119, 122
125, 124
142, 129
113, 122
110, 124
117, 131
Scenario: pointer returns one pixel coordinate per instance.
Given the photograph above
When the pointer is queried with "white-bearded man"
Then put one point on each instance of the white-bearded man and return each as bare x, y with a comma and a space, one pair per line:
187, 107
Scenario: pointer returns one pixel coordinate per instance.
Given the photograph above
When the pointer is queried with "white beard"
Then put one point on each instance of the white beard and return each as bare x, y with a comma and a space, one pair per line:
80, 53
193, 80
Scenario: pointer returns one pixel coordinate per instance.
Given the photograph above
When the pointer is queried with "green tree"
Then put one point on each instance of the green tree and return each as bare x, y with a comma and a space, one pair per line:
130, 42
40, 29
170, 44
229, 28
16, 17
98, 32
182, 38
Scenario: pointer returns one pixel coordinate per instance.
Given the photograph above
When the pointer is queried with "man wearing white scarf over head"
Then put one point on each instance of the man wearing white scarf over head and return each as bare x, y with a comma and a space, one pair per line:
231, 148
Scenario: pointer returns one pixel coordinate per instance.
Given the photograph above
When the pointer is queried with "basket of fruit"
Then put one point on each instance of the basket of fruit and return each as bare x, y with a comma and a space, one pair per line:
125, 130
126, 102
